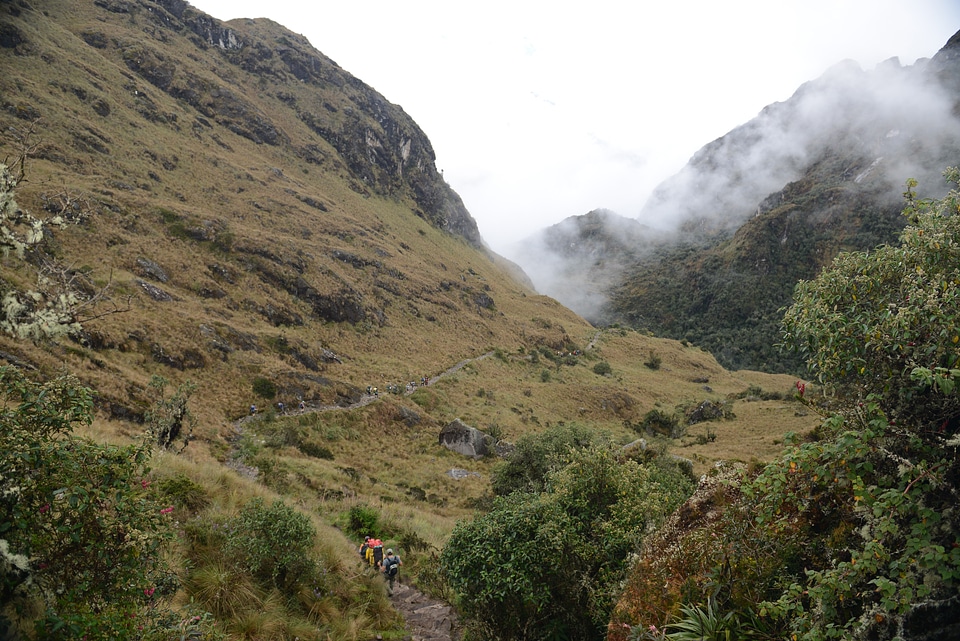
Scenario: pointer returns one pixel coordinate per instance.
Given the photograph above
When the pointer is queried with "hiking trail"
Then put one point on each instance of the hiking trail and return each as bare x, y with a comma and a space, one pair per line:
426, 619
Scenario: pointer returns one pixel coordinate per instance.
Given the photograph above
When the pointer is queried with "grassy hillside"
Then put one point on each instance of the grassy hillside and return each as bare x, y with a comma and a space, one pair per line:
248, 217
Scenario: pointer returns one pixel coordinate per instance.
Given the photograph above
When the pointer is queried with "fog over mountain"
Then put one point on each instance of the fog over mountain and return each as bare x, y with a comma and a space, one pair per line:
880, 126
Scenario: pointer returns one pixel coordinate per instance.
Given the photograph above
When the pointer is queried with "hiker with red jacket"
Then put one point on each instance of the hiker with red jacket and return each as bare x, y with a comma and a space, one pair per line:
377, 546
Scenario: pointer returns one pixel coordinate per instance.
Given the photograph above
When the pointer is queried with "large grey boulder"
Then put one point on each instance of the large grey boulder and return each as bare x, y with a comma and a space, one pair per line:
469, 441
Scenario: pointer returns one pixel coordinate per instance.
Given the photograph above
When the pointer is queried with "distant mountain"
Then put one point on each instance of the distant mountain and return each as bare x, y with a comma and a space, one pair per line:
772, 202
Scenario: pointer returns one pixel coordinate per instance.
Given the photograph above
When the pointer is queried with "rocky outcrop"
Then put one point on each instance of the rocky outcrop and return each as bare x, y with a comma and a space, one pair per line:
426, 619
466, 440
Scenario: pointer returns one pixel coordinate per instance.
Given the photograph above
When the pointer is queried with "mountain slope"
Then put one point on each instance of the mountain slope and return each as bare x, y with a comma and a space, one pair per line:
242, 198
243, 215
773, 201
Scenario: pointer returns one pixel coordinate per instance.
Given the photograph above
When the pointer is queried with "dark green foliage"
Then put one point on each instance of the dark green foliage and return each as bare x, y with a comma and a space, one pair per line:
185, 493
170, 420
536, 454
264, 388
869, 321
724, 291
661, 423
67, 507
274, 544
602, 368
653, 360
755, 392
363, 520
547, 565
316, 450
853, 535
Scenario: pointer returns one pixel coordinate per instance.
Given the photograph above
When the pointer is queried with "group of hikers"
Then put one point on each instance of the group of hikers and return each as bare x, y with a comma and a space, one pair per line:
371, 551
371, 391
281, 408
395, 388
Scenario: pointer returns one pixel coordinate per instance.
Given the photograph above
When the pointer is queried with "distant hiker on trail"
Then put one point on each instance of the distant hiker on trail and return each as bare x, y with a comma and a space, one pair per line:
391, 568
253, 410
363, 548
280, 407
303, 406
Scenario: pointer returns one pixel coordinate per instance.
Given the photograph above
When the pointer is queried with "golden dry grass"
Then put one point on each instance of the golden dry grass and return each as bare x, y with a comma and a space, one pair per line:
162, 179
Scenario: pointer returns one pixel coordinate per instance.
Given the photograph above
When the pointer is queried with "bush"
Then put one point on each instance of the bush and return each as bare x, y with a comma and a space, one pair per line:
65, 523
363, 520
873, 319
310, 448
185, 492
852, 535
661, 423
602, 368
274, 544
653, 360
546, 565
264, 388
535, 454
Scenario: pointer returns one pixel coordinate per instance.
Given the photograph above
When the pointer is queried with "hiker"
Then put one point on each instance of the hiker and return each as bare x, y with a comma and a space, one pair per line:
363, 547
391, 568
253, 410
303, 406
377, 554
280, 407
368, 555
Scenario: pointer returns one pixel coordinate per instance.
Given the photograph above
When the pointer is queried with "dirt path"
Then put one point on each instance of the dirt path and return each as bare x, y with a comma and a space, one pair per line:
593, 341
427, 619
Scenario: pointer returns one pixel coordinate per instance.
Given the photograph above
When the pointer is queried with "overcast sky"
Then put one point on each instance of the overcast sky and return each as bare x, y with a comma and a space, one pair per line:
540, 110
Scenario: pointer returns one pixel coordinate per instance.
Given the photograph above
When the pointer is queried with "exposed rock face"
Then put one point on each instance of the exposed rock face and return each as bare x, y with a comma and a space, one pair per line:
706, 411
469, 441
384, 149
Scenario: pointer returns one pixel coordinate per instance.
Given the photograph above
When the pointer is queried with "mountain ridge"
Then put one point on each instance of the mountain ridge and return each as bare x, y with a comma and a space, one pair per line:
835, 156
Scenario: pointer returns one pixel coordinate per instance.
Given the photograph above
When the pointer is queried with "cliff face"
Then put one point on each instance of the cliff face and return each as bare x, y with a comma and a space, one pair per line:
174, 48
773, 201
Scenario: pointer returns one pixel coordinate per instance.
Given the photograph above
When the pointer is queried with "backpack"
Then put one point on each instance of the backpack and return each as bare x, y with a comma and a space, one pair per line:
393, 565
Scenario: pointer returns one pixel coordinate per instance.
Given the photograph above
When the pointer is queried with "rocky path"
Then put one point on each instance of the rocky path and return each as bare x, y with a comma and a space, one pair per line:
427, 619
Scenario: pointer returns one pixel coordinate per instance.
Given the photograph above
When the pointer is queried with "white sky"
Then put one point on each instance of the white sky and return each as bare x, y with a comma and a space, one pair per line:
539, 110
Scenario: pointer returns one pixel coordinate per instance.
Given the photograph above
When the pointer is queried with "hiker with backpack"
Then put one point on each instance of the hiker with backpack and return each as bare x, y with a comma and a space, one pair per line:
391, 568
377, 546
363, 548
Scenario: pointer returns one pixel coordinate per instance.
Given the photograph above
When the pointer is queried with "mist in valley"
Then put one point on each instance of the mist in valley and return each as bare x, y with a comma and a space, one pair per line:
880, 127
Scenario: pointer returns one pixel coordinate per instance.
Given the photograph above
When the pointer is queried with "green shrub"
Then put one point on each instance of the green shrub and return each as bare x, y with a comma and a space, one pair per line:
602, 368
535, 454
264, 388
67, 508
661, 423
653, 360
363, 520
274, 544
185, 492
546, 565
311, 448
871, 319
